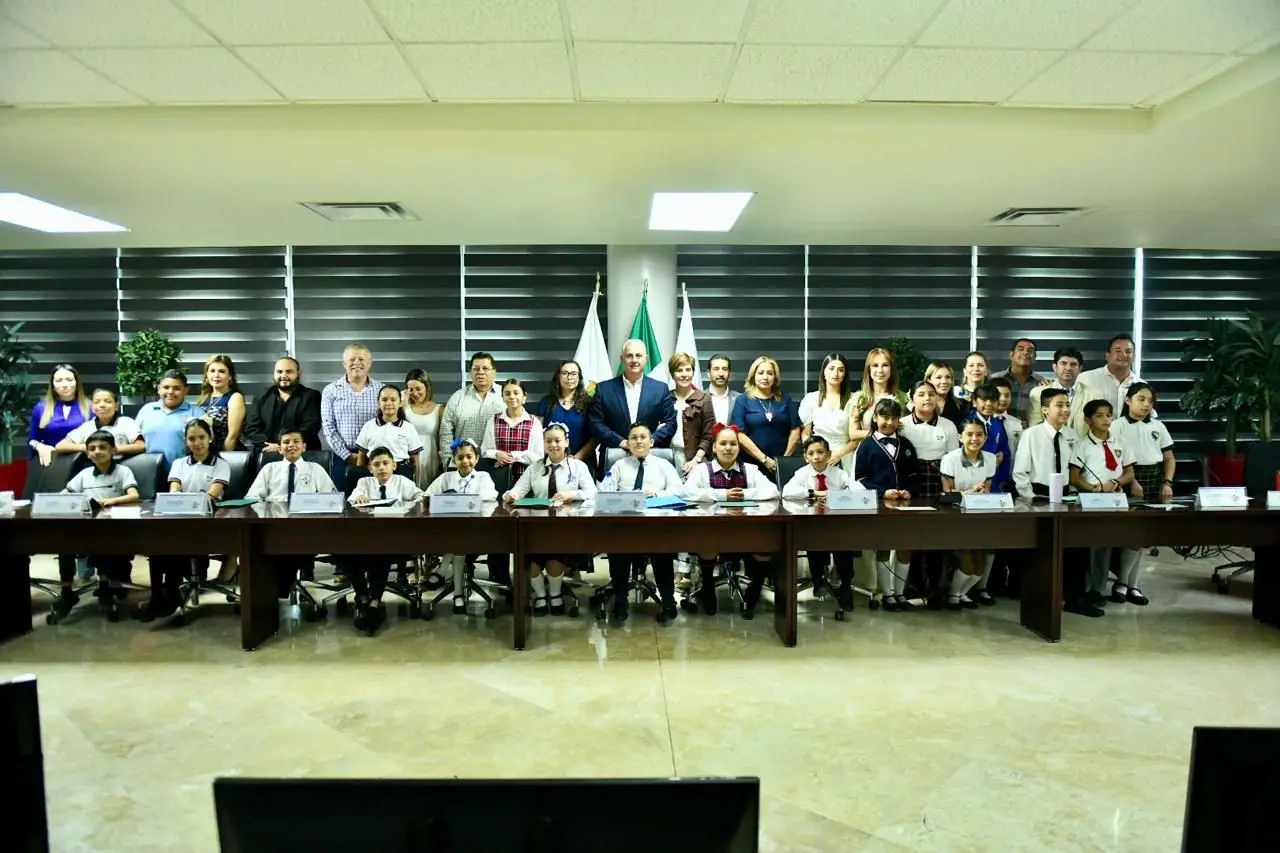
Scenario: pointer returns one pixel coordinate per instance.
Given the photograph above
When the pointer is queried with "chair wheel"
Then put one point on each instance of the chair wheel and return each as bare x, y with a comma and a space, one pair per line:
489, 613
231, 599
178, 621
113, 615
415, 610
573, 611
874, 604
322, 612
50, 619
340, 604
428, 613
307, 613
1222, 587
839, 615
689, 605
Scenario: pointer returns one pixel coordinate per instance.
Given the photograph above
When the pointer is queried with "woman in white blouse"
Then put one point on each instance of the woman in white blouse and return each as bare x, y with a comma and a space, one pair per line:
824, 413
424, 413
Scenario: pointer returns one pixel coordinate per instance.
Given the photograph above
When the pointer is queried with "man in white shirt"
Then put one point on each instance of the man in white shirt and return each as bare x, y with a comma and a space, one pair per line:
1066, 370
722, 397
1112, 380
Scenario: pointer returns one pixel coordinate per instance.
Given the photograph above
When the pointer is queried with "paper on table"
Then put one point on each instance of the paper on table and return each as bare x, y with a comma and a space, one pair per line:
124, 512
916, 508
738, 503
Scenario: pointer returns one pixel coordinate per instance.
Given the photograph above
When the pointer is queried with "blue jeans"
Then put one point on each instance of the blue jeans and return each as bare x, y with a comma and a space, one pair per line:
339, 472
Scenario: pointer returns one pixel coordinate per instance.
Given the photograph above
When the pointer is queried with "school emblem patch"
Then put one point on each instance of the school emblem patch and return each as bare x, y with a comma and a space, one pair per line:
1155, 435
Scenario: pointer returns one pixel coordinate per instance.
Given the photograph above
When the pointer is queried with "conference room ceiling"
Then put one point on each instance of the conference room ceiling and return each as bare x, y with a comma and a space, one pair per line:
207, 121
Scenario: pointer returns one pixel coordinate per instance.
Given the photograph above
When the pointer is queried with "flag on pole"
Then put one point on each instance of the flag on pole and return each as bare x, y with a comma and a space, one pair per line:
686, 342
592, 355
642, 330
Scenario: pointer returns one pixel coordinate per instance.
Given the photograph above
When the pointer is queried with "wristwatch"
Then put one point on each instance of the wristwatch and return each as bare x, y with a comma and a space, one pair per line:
1168, 483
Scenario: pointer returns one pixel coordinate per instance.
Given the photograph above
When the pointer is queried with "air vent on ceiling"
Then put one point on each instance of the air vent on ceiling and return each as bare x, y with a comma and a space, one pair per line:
1038, 217
360, 211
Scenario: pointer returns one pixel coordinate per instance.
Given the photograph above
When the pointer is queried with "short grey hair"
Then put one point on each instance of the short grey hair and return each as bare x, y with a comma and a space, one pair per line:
629, 341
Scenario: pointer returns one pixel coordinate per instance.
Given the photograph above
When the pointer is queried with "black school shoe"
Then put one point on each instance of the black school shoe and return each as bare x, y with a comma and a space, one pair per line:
668, 613
65, 603
983, 597
620, 611
1135, 596
156, 607
1084, 608
844, 597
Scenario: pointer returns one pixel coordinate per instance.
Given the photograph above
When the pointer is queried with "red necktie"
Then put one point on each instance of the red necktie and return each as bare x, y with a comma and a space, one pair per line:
822, 482
1112, 464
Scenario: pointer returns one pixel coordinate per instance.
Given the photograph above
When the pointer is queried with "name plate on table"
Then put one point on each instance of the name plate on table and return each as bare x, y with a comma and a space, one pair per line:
1104, 500
454, 504
317, 503
845, 500
1273, 500
55, 503
1222, 497
988, 502
182, 503
615, 502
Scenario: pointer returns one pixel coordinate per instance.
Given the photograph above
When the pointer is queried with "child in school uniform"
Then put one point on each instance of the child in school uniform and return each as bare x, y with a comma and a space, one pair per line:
814, 482
201, 470
106, 417
1101, 463
640, 471
933, 437
367, 573
462, 479
986, 398
513, 437
1149, 442
888, 463
107, 484
562, 479
969, 470
390, 429
725, 478
1012, 425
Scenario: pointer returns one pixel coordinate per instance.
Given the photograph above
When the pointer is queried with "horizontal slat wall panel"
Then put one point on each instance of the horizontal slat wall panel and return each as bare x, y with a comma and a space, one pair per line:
1055, 296
214, 300
67, 300
1182, 289
526, 304
403, 302
748, 301
861, 296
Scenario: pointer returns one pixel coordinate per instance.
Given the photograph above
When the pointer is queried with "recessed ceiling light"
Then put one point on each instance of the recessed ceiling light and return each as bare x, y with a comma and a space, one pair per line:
696, 211
29, 212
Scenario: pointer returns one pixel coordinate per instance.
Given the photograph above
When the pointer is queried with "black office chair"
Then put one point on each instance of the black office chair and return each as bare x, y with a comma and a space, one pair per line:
54, 478
613, 454
241, 464
472, 585
787, 468
151, 471
1261, 465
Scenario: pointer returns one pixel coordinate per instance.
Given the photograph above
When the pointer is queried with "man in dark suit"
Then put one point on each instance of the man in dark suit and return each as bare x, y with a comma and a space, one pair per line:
632, 398
286, 404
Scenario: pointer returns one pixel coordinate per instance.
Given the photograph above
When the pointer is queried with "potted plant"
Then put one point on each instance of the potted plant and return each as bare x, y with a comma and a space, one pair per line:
909, 361
143, 359
16, 401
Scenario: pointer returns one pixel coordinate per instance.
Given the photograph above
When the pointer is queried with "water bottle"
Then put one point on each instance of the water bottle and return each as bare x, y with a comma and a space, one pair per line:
607, 485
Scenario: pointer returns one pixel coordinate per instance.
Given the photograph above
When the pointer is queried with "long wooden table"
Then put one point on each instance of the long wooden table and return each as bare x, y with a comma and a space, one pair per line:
261, 531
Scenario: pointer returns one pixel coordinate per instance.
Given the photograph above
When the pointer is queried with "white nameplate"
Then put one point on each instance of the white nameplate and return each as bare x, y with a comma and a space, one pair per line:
182, 503
309, 503
986, 501
1103, 500
454, 504
1273, 500
55, 503
615, 502
861, 500
123, 511
1222, 497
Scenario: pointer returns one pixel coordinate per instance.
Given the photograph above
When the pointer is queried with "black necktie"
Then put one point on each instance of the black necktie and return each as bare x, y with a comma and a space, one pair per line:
639, 475
382, 492
551, 482
293, 473
1057, 452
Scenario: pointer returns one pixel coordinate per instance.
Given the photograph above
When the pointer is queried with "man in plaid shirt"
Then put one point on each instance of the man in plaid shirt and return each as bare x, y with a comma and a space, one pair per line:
346, 405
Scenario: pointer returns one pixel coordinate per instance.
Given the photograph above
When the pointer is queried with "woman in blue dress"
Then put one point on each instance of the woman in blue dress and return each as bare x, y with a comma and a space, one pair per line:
768, 419
222, 402
64, 407
567, 402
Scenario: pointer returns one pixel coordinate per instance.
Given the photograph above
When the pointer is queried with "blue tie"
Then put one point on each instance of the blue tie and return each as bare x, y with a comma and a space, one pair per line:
639, 475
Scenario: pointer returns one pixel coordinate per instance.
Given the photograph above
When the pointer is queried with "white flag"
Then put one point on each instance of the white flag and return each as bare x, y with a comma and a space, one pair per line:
687, 343
592, 354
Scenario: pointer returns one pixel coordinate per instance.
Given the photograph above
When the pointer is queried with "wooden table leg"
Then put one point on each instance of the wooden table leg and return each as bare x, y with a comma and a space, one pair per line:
259, 607
15, 595
1266, 586
784, 592
1042, 582
520, 615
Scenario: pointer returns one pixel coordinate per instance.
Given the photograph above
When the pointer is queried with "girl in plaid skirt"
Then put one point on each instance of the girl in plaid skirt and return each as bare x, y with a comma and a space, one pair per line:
933, 436
1149, 441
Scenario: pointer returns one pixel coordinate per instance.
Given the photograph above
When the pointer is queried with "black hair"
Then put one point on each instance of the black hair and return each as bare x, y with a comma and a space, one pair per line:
292, 431
1140, 386
482, 356
888, 407
517, 383
1091, 408
399, 409
639, 424
987, 391
1123, 336
720, 357
381, 451
173, 373
921, 384
1017, 341
973, 419
1001, 382
816, 439
1069, 352
213, 445
106, 438
845, 393
296, 363
1047, 394
581, 399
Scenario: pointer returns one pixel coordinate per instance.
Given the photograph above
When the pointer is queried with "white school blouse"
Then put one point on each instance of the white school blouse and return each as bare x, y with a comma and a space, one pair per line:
932, 440
113, 484
572, 476
660, 476
1146, 440
805, 481
1090, 458
399, 488
968, 474
475, 483
195, 476
272, 482
831, 424
489, 445
1033, 463
125, 430
698, 487
400, 437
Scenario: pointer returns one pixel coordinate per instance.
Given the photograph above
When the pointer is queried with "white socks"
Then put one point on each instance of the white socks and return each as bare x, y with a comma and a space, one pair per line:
988, 560
961, 584
555, 581
900, 570
885, 578
1130, 564
539, 585
456, 563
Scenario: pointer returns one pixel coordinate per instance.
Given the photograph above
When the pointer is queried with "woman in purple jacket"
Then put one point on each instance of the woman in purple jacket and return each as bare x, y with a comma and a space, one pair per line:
65, 406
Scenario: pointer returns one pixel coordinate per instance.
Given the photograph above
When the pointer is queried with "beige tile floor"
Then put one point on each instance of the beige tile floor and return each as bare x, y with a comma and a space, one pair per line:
920, 731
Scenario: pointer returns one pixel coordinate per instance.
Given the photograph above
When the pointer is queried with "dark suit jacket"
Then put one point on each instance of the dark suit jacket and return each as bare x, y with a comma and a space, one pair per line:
610, 415
873, 468
699, 417
268, 417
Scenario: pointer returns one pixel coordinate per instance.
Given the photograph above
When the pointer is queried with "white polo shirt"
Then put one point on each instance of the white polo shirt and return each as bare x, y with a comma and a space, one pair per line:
113, 484
400, 437
932, 439
198, 476
1146, 440
967, 474
1091, 459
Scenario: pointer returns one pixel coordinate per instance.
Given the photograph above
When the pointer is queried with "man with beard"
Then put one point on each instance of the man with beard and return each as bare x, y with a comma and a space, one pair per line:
722, 397
286, 404
1022, 378
1113, 379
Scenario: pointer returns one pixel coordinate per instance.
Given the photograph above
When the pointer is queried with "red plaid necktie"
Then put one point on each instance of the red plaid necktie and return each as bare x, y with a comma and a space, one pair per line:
822, 482
1112, 464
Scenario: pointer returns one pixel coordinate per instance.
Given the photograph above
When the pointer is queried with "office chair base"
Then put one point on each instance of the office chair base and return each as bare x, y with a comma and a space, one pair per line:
1223, 584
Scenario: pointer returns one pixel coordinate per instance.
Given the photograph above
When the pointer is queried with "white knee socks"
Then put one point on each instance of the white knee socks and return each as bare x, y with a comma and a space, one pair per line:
988, 560
539, 585
884, 577
900, 570
457, 565
1130, 564
554, 581
961, 584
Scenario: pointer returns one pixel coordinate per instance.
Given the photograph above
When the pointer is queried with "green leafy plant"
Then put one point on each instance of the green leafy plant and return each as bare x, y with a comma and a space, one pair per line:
143, 359
910, 362
16, 397
1240, 374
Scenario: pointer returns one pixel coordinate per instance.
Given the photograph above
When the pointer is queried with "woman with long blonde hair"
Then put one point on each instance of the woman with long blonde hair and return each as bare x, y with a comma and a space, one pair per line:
64, 407
879, 381
768, 420
222, 401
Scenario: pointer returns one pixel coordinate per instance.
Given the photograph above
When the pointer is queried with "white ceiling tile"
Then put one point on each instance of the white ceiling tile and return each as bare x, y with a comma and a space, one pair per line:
50, 77
370, 72
1190, 26
954, 74
663, 72
494, 72
12, 35
1022, 24
1220, 65
1095, 78
657, 20
238, 22
471, 20
116, 23
839, 22
181, 75
1265, 43
809, 74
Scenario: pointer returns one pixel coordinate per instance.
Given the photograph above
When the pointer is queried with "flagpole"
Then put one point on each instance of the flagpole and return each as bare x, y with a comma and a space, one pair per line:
597, 293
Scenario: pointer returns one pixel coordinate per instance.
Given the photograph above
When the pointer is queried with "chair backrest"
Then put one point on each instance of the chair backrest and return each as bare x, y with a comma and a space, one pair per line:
613, 454
150, 470
787, 468
1261, 462
323, 458
501, 476
240, 462
351, 479
55, 477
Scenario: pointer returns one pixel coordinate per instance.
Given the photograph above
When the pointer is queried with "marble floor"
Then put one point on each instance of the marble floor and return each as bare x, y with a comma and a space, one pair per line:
929, 731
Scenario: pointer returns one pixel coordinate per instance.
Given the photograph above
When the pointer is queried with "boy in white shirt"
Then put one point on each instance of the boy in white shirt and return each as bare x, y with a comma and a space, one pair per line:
1012, 425
106, 417
368, 573
812, 483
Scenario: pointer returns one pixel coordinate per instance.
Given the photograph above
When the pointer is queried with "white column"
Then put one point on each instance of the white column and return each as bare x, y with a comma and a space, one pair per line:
629, 266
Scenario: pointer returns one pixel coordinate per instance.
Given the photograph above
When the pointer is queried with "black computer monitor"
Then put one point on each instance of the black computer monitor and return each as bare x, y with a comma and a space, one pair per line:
698, 815
1233, 795
26, 825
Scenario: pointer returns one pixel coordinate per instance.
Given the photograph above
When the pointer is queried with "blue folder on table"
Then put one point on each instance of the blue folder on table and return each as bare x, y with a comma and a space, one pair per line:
665, 502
